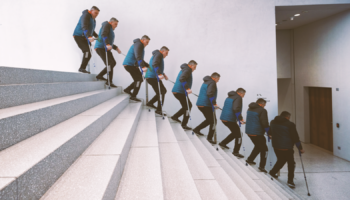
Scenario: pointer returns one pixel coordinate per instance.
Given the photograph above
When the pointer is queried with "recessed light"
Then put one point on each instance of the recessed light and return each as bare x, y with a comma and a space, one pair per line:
291, 18
297, 15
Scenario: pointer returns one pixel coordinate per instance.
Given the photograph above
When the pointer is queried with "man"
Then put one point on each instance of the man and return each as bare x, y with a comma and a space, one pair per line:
85, 29
157, 61
284, 135
106, 37
132, 61
257, 124
230, 115
184, 76
208, 91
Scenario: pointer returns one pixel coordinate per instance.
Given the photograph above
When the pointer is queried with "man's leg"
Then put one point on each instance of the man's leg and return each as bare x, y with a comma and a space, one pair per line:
212, 121
256, 149
112, 63
281, 160
291, 164
84, 46
263, 150
137, 77
153, 82
231, 126
181, 98
163, 92
102, 54
206, 122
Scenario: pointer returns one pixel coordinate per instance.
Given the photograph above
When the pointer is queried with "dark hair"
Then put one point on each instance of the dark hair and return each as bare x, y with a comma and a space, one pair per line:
261, 101
145, 37
113, 19
94, 8
192, 62
215, 75
240, 90
164, 48
285, 114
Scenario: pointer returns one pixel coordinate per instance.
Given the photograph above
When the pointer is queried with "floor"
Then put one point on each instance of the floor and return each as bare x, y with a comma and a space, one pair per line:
328, 176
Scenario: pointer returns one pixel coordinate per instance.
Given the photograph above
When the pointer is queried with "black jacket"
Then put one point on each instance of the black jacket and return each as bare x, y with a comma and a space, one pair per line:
257, 120
139, 51
157, 60
85, 20
185, 75
106, 28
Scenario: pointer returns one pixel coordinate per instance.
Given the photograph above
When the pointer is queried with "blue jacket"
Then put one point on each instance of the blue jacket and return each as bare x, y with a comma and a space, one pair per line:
136, 55
86, 22
157, 60
232, 107
107, 32
284, 134
185, 75
257, 120
208, 90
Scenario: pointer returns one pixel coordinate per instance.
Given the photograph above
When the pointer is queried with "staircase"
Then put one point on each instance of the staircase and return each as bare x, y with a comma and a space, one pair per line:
65, 136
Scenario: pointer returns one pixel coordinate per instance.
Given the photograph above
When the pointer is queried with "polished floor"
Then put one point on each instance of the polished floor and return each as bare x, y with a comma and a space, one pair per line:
328, 176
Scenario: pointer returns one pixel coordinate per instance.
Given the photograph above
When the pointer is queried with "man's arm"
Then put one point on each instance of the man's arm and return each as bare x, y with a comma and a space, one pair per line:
157, 60
138, 51
186, 73
85, 22
105, 33
295, 137
95, 34
211, 91
237, 107
264, 121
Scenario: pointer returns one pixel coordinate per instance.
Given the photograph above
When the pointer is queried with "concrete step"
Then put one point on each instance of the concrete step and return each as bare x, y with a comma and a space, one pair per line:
177, 179
20, 94
97, 172
11, 75
244, 187
36, 163
21, 122
223, 179
142, 177
206, 183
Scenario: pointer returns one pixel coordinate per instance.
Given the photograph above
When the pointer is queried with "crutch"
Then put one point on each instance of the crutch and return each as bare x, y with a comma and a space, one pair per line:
89, 44
302, 164
188, 105
160, 94
108, 68
214, 126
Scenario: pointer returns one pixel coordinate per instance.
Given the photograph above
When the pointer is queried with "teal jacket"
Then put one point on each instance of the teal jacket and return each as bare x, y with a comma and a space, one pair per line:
157, 60
135, 55
185, 75
86, 22
107, 32
232, 108
207, 91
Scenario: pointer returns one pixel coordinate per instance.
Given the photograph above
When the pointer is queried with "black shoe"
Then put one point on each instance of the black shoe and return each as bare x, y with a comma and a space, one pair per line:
100, 78
238, 155
135, 99
175, 119
127, 92
151, 105
251, 162
273, 175
186, 128
112, 85
291, 184
211, 141
160, 113
84, 71
262, 169
197, 132
223, 146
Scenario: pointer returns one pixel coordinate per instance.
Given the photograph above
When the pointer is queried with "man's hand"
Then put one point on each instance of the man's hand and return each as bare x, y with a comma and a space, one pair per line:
302, 151
109, 47
91, 39
189, 91
118, 50
165, 76
161, 77
242, 121
144, 69
216, 106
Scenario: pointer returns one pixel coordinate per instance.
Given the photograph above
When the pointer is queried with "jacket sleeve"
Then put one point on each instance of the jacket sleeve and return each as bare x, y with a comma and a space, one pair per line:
138, 51
85, 22
295, 136
211, 90
95, 34
186, 73
115, 47
237, 107
157, 60
264, 121
105, 33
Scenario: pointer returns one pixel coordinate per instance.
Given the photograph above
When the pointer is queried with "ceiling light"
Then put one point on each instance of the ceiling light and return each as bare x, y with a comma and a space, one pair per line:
291, 18
297, 15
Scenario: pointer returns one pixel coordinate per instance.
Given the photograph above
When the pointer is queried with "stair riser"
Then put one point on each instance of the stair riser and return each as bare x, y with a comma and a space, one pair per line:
15, 95
10, 192
20, 127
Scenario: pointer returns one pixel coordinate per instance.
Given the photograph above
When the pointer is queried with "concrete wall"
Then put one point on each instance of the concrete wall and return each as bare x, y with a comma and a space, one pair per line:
284, 53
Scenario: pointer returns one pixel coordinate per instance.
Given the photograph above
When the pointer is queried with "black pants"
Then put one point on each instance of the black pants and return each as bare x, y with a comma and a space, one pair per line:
84, 46
209, 120
137, 77
260, 146
284, 156
183, 110
111, 62
154, 83
235, 134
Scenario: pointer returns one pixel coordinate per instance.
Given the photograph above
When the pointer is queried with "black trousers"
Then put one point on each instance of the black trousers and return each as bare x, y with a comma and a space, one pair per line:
137, 77
111, 62
283, 157
209, 120
154, 83
184, 108
235, 134
260, 146
84, 46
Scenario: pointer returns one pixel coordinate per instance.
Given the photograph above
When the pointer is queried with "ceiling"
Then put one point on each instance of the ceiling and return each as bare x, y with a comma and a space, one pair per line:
308, 14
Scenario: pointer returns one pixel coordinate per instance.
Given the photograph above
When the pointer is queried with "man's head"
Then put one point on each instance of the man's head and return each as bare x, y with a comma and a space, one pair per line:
114, 22
286, 115
240, 92
261, 102
145, 40
94, 11
215, 76
164, 50
193, 65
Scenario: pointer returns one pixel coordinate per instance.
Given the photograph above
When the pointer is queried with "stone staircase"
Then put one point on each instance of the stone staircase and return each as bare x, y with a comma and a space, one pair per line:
65, 136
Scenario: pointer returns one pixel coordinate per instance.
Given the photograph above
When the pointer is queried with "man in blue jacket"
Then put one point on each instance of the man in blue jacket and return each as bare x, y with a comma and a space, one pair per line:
257, 124
284, 135
106, 37
184, 76
157, 61
230, 115
86, 29
133, 60
207, 93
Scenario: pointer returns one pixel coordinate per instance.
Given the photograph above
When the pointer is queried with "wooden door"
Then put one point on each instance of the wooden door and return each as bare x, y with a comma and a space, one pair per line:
321, 119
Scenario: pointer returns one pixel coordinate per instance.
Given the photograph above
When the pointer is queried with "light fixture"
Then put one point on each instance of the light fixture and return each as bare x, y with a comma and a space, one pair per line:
291, 18
297, 15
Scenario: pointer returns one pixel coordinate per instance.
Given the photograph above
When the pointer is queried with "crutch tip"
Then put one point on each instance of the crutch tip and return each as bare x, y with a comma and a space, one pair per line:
272, 179
308, 194
217, 149
192, 133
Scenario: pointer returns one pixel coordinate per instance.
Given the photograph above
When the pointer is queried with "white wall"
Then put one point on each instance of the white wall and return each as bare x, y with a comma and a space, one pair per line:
284, 52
